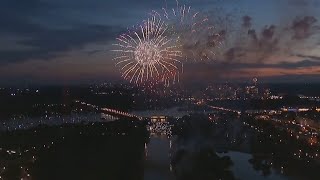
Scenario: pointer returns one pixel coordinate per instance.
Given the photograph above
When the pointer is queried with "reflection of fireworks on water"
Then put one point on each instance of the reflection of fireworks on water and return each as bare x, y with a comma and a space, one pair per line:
193, 31
147, 54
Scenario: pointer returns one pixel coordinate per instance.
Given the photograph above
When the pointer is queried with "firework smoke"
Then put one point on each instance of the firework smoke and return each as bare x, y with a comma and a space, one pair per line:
193, 31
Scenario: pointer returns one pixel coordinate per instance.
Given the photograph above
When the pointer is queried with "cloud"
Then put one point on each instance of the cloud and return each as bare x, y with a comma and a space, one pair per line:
66, 70
246, 21
48, 43
233, 70
303, 27
252, 33
304, 3
282, 65
309, 57
285, 65
255, 47
268, 42
73, 67
43, 41
273, 72
271, 41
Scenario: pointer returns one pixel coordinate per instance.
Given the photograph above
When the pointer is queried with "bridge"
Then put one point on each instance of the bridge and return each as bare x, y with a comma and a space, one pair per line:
118, 113
224, 109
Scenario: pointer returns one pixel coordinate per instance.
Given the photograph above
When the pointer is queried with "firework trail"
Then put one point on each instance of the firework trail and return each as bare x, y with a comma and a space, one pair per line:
193, 31
147, 54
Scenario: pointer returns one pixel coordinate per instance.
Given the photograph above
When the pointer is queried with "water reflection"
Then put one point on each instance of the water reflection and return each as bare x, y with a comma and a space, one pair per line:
157, 165
242, 167
169, 159
189, 148
200, 148
203, 163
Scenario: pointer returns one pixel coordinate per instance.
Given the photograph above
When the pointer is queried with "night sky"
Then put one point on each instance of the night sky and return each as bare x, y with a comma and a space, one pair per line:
69, 41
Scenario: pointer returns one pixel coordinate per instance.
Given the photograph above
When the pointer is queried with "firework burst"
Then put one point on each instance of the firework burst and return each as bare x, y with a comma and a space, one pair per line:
147, 54
194, 33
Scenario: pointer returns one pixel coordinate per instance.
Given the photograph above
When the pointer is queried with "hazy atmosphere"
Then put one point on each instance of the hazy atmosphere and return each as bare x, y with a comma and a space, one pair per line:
61, 42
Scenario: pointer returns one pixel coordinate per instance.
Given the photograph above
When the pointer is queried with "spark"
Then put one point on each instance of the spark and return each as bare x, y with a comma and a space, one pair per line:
194, 32
148, 54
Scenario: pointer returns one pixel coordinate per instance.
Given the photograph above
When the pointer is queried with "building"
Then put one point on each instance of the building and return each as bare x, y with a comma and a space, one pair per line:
161, 119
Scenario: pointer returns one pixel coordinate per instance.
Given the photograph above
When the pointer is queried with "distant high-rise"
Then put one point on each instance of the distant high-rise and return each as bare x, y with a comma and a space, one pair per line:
252, 91
266, 94
255, 81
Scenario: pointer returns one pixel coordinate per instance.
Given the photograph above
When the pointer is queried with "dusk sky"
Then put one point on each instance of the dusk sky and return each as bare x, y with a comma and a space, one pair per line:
69, 41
